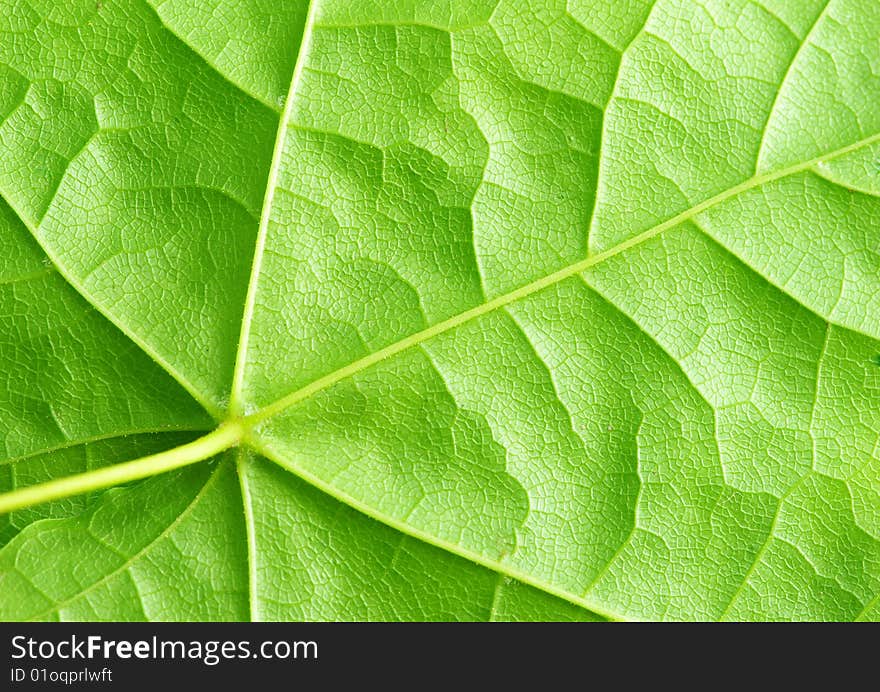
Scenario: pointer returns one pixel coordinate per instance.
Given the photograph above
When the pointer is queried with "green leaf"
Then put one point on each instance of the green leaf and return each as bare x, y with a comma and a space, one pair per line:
469, 310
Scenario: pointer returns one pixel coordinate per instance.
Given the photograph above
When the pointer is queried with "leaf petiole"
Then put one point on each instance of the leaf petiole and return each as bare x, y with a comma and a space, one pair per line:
224, 437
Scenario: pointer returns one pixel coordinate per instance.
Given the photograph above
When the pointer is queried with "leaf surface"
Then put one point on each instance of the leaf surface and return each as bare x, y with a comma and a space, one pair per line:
511, 311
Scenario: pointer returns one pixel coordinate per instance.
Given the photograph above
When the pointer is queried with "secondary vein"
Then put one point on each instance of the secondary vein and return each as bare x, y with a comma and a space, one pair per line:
789, 70
498, 566
249, 519
236, 405
129, 561
31, 225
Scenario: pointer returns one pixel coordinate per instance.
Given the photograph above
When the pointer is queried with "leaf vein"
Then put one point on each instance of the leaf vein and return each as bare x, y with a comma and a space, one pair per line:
785, 77
489, 563
57, 607
235, 403
527, 290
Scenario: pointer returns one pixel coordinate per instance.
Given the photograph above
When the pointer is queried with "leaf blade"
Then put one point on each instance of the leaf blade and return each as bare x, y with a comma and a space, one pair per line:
681, 425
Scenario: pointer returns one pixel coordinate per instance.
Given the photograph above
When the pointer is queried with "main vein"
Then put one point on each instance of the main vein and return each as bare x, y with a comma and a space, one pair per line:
238, 429
556, 277
235, 399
